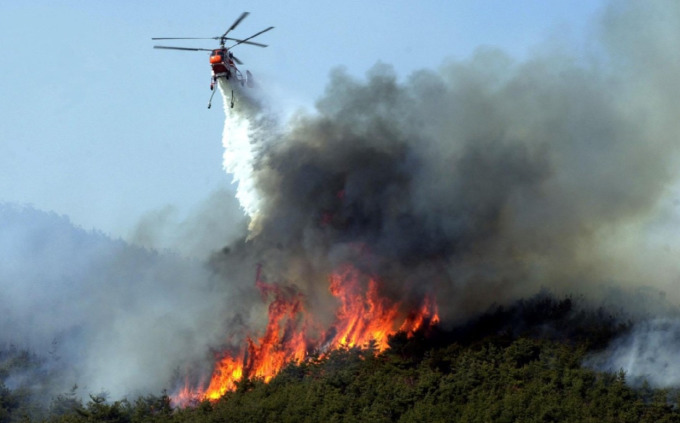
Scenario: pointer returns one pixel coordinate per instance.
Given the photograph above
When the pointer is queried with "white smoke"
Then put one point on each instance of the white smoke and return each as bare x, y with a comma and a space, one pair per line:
648, 353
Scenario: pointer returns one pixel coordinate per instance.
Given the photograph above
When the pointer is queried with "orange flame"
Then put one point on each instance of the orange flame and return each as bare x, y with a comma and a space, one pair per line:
362, 316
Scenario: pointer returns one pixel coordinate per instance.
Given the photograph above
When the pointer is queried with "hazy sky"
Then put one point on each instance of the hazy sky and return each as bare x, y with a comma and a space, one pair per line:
99, 126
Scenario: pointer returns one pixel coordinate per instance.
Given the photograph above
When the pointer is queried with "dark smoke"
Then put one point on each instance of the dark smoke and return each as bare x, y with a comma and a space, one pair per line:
488, 178
647, 354
216, 221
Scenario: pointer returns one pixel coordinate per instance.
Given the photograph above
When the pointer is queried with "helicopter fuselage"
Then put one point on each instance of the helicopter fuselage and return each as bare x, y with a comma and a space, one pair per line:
222, 65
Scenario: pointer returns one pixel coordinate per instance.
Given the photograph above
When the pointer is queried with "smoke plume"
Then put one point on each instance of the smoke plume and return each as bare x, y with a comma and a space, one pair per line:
98, 313
479, 182
485, 179
214, 222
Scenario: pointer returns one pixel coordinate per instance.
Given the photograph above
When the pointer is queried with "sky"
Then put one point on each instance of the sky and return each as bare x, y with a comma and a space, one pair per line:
102, 128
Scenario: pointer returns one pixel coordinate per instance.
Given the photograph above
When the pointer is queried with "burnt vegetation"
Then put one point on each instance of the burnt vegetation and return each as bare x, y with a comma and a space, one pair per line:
517, 363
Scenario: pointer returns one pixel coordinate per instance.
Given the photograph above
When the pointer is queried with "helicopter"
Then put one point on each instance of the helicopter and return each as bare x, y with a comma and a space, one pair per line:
222, 60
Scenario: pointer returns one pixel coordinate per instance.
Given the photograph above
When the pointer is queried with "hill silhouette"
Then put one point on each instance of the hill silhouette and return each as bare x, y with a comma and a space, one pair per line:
485, 370
97, 312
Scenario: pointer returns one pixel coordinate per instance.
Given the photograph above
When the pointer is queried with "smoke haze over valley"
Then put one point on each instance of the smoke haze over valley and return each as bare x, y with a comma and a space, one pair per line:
479, 183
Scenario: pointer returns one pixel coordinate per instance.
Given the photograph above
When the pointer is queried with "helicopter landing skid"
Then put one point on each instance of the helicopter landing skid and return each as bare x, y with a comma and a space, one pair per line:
213, 94
211, 97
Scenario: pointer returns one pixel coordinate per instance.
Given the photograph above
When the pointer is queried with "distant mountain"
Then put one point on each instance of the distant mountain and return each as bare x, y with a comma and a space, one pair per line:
106, 314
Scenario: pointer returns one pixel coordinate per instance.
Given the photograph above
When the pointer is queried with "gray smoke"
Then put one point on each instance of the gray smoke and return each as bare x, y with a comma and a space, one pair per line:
216, 221
100, 313
648, 353
488, 178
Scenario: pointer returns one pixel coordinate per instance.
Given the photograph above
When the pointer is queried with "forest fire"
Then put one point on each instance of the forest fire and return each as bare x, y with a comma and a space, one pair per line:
362, 317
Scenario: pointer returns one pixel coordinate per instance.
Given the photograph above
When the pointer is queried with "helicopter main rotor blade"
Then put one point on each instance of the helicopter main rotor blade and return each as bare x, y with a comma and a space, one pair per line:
184, 38
235, 24
183, 48
247, 42
236, 59
252, 36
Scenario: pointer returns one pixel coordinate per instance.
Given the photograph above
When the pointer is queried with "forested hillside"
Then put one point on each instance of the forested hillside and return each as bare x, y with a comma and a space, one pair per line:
486, 370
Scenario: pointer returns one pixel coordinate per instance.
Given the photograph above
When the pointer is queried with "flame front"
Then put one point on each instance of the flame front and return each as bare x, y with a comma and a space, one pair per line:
363, 316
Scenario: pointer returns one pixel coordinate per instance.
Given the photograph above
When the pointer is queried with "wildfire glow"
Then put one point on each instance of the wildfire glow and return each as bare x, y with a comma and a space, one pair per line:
362, 316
